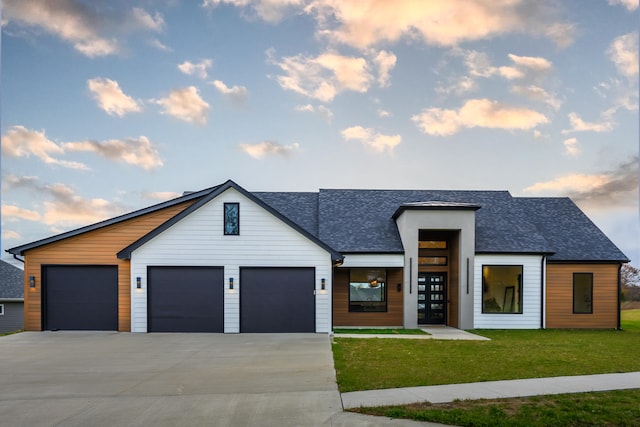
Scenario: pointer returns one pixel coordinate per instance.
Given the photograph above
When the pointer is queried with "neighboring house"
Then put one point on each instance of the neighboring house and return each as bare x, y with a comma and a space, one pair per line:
227, 260
11, 298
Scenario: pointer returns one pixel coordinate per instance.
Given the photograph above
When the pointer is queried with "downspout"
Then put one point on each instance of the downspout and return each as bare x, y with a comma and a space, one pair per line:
543, 273
619, 293
18, 259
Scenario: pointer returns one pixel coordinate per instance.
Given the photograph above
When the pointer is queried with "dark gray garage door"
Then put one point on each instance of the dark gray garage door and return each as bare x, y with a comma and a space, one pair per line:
80, 297
185, 299
277, 300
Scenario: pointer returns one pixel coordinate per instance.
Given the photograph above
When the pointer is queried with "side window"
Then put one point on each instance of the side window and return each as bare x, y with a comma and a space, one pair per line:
368, 289
502, 289
1, 309
231, 219
583, 293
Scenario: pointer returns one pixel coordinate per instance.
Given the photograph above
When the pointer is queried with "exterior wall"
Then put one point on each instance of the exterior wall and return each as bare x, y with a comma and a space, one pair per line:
373, 260
98, 247
559, 297
198, 240
343, 317
409, 224
531, 293
13, 317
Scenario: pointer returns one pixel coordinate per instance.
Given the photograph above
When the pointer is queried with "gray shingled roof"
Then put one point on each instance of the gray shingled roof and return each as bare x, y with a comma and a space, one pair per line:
11, 281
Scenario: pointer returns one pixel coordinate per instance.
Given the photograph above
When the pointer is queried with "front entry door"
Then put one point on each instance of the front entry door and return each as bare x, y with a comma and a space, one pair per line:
432, 297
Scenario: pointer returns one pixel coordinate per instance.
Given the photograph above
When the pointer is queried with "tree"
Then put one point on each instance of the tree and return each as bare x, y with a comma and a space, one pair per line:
630, 282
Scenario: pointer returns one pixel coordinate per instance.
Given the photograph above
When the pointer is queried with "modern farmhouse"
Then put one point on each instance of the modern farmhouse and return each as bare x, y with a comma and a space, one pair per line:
224, 259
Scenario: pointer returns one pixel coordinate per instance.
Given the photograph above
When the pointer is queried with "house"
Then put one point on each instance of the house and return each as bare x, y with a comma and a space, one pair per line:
11, 298
224, 259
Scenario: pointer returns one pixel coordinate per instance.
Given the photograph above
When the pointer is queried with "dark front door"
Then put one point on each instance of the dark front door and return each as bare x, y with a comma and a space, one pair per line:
432, 298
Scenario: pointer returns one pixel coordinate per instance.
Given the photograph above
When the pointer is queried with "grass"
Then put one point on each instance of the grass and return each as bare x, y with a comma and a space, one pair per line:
614, 408
398, 331
630, 320
382, 363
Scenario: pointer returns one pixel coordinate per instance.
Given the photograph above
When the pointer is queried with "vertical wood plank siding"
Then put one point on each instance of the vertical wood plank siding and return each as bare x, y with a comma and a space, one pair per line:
559, 296
341, 314
98, 247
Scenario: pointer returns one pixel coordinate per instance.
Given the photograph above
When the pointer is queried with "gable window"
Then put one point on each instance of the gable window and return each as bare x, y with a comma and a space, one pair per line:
583, 293
368, 289
502, 289
231, 219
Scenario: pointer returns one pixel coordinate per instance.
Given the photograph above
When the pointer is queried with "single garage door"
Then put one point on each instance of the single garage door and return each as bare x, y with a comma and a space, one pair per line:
277, 300
80, 297
185, 299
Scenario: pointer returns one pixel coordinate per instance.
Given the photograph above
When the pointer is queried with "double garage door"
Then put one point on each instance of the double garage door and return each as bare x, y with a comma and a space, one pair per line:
181, 299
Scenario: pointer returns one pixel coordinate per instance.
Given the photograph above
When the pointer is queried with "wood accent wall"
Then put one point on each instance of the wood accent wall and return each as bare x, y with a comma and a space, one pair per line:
343, 317
98, 247
559, 296
454, 282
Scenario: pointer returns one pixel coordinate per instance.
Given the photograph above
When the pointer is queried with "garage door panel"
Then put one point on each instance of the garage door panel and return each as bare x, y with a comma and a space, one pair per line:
277, 300
80, 298
186, 299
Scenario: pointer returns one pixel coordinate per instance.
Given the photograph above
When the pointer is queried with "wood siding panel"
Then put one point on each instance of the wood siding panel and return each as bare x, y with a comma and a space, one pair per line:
343, 317
98, 247
559, 296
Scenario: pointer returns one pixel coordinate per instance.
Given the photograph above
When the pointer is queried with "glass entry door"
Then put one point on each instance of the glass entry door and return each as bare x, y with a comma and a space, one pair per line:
432, 298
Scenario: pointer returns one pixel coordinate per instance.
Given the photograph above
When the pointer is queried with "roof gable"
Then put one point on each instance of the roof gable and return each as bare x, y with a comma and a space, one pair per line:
126, 252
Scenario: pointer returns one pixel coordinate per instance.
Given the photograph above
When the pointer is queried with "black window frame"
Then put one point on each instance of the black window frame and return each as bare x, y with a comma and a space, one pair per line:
573, 295
520, 294
352, 307
236, 231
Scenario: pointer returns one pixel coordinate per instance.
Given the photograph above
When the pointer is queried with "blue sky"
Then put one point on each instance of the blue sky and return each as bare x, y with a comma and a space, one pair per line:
110, 106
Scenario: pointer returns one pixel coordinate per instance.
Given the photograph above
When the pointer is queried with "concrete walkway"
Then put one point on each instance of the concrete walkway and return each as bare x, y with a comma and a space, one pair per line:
435, 333
491, 390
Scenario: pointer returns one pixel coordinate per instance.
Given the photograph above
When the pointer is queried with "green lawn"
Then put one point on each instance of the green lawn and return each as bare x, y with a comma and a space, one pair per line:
366, 364
399, 331
377, 363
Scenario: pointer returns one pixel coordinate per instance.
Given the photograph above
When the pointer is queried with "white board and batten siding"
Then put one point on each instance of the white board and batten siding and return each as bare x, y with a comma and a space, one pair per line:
531, 293
264, 241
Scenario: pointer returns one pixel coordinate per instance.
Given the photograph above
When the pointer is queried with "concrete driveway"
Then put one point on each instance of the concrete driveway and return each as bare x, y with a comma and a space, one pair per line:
122, 379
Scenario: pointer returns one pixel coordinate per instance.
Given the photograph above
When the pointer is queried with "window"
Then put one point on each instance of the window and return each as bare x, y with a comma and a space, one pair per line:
582, 293
368, 290
231, 219
502, 289
1, 309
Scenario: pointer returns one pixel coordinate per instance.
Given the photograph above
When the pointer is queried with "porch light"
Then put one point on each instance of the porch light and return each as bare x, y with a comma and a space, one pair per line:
230, 283
32, 282
323, 286
138, 282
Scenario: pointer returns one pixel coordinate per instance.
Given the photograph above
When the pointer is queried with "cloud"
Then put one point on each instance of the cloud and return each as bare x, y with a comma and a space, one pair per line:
579, 125
62, 207
236, 94
159, 45
571, 147
22, 142
272, 11
385, 62
14, 213
198, 69
479, 65
366, 23
321, 110
185, 104
618, 187
93, 30
265, 148
160, 195
623, 51
477, 113
458, 86
631, 5
324, 76
372, 139
383, 113
10, 235
110, 97
135, 151
537, 93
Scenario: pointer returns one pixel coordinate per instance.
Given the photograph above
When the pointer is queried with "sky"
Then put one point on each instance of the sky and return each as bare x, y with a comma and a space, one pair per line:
112, 106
